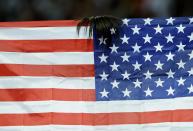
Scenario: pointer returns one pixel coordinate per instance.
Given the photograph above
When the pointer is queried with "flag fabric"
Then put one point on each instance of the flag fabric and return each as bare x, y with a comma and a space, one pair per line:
51, 79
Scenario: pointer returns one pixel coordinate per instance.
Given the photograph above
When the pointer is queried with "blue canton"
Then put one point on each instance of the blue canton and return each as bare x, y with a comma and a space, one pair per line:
152, 59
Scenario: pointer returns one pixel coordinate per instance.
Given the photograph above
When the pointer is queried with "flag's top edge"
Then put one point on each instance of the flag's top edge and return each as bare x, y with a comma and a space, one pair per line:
58, 23
50, 23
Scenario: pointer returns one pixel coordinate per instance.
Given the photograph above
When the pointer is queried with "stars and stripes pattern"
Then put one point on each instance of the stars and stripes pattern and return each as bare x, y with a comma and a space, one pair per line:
51, 79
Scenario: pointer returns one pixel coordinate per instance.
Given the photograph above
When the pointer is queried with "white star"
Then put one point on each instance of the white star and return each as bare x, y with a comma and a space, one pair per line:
137, 83
180, 28
158, 29
136, 48
102, 40
147, 39
126, 93
170, 74
115, 84
190, 72
147, 21
181, 64
104, 93
181, 81
114, 66
158, 47
125, 75
114, 48
169, 38
137, 66
148, 92
103, 76
180, 47
159, 82
125, 57
191, 55
124, 39
125, 21
103, 58
170, 91
190, 89
190, 37
113, 31
136, 30
148, 75
170, 56
170, 21
159, 65
191, 20
147, 57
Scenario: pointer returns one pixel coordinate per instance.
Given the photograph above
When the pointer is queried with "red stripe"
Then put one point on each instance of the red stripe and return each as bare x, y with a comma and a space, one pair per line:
75, 45
47, 70
95, 119
51, 23
47, 94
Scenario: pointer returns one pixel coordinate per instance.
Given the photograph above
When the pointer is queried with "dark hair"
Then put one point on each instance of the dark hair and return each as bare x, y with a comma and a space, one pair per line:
101, 25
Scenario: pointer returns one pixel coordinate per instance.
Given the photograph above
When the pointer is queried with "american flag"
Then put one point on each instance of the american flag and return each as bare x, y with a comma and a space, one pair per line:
51, 79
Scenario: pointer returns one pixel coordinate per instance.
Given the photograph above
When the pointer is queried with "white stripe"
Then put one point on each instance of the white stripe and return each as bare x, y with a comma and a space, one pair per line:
41, 33
64, 58
174, 126
96, 107
47, 82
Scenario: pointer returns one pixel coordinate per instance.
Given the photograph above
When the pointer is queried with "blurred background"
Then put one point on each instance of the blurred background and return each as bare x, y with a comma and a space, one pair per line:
27, 10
